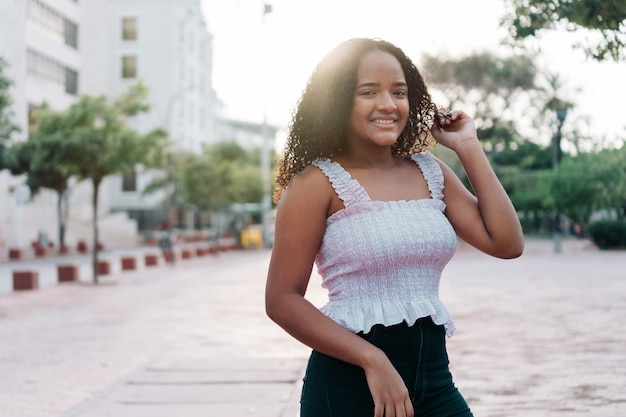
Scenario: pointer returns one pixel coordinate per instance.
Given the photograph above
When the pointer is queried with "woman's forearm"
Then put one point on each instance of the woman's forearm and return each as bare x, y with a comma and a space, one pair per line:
496, 209
305, 322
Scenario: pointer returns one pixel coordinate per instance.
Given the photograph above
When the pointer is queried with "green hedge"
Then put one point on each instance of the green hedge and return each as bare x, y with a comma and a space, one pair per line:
608, 234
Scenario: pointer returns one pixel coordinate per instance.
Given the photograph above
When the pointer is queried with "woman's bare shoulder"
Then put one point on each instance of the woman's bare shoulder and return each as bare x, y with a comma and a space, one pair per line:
310, 178
309, 188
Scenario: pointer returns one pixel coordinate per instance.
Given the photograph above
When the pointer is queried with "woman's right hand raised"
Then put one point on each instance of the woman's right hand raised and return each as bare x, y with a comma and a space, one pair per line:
390, 394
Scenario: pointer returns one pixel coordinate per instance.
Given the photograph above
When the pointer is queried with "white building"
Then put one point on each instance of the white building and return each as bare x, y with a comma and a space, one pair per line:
166, 44
43, 43
58, 49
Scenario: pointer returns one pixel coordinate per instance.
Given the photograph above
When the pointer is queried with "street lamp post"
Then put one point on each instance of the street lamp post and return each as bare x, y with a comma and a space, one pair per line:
561, 114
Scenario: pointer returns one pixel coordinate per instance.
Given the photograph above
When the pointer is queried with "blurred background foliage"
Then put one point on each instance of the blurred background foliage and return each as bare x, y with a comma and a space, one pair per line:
557, 172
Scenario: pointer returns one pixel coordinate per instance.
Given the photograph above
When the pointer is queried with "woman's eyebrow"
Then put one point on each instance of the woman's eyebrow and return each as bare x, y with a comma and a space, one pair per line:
373, 84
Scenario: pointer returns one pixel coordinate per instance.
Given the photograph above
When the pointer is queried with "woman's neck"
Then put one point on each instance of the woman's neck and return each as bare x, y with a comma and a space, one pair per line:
381, 158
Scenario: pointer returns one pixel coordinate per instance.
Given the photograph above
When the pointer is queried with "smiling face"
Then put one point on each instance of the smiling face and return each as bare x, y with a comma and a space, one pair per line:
380, 106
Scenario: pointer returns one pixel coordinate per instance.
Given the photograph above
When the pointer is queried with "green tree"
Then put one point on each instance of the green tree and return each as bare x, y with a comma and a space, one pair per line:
223, 174
525, 170
244, 180
589, 182
531, 195
526, 155
574, 188
606, 19
494, 89
99, 143
611, 172
7, 126
43, 158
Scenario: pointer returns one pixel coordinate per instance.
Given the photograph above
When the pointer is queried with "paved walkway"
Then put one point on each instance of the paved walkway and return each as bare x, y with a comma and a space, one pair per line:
542, 335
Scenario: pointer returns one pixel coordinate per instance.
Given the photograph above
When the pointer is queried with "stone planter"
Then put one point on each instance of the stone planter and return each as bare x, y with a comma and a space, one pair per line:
15, 254
104, 267
82, 246
25, 280
41, 251
67, 273
129, 263
151, 260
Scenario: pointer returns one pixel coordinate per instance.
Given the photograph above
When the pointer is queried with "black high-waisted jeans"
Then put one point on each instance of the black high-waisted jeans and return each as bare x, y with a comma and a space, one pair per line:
333, 388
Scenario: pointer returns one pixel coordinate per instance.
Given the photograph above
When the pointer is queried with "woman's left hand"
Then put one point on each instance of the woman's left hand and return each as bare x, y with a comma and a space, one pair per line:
454, 128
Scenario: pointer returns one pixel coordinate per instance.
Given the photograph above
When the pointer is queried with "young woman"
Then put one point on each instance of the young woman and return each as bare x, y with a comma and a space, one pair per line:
362, 199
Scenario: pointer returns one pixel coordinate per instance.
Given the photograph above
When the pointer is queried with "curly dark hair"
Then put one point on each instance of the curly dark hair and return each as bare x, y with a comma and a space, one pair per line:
318, 126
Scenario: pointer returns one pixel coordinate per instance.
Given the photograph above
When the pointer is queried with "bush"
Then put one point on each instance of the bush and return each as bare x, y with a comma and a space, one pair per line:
608, 234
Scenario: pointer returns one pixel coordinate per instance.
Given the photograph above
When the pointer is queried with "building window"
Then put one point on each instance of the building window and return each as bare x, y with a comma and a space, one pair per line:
71, 34
129, 28
129, 182
52, 23
129, 66
52, 73
71, 81
32, 118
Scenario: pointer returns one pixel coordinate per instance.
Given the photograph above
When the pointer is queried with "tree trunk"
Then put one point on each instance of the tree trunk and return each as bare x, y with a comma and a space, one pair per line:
94, 202
66, 212
62, 215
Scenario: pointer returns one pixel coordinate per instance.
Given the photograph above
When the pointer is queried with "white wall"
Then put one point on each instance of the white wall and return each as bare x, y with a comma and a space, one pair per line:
21, 223
175, 55
168, 48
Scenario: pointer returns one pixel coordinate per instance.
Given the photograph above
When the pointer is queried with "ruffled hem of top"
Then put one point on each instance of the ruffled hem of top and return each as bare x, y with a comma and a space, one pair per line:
432, 173
362, 319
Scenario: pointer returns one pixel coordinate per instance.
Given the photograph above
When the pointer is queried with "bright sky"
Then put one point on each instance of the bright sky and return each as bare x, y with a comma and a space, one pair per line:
261, 65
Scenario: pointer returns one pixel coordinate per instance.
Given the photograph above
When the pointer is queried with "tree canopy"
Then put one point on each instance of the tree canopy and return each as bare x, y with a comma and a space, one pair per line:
224, 173
90, 140
7, 126
99, 143
504, 93
43, 159
490, 87
606, 19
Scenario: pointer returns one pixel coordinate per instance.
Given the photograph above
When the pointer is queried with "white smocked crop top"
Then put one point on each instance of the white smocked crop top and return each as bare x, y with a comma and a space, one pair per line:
381, 261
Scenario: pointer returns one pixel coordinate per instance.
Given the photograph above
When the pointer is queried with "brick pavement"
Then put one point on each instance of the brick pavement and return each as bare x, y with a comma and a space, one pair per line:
542, 335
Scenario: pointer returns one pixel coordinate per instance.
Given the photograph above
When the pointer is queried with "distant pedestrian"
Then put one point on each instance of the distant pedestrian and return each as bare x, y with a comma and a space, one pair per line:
166, 242
577, 230
363, 199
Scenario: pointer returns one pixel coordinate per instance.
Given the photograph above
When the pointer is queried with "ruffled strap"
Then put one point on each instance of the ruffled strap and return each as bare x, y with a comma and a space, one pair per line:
347, 188
432, 173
